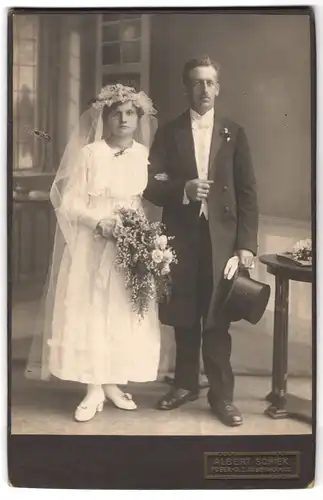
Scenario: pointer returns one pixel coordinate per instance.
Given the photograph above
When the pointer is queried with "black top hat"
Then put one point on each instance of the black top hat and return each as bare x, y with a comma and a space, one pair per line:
243, 297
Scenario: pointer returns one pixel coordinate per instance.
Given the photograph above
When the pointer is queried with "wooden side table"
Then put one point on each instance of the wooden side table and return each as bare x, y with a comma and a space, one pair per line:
284, 405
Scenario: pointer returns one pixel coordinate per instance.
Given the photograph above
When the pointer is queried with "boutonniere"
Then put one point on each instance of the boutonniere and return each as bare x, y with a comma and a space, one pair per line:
226, 134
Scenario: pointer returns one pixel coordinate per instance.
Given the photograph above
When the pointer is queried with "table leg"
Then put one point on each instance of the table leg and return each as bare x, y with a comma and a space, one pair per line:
280, 353
271, 397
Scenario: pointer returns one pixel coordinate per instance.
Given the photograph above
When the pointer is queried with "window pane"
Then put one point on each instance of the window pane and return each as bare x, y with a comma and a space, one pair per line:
25, 155
111, 17
15, 77
25, 26
130, 30
15, 28
25, 129
111, 33
111, 54
25, 106
27, 77
26, 52
26, 138
15, 51
131, 52
25, 46
15, 100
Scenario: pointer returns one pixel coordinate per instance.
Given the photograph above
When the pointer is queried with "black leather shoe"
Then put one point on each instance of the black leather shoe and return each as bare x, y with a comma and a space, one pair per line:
227, 413
175, 398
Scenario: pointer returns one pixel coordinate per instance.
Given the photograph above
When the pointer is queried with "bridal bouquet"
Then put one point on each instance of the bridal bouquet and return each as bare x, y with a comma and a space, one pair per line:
143, 253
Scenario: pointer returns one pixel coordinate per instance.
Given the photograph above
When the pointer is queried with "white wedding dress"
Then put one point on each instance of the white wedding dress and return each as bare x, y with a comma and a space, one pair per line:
96, 336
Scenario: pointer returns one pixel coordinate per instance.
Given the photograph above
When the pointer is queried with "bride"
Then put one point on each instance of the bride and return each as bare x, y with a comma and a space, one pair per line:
91, 334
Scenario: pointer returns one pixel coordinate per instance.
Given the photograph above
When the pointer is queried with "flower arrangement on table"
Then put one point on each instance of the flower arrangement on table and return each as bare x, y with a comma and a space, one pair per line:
301, 252
145, 256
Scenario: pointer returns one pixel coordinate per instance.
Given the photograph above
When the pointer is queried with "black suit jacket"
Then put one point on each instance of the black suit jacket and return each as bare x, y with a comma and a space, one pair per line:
232, 207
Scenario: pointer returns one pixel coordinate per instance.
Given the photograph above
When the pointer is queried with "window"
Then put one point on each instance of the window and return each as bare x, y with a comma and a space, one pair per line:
123, 54
74, 68
25, 76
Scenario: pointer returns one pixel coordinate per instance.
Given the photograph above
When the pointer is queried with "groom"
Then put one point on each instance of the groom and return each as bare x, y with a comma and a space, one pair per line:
201, 174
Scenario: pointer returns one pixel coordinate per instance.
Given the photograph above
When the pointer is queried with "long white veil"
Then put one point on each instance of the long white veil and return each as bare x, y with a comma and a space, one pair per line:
88, 130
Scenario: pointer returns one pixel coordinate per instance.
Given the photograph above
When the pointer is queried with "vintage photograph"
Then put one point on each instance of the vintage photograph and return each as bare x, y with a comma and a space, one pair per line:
161, 229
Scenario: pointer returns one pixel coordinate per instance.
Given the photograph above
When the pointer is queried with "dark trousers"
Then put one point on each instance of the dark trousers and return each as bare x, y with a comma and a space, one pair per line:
216, 342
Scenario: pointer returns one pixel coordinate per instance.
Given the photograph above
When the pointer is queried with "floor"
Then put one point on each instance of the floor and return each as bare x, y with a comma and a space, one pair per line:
47, 408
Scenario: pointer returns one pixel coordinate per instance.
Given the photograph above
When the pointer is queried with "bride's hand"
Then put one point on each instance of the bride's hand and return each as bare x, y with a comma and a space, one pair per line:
105, 227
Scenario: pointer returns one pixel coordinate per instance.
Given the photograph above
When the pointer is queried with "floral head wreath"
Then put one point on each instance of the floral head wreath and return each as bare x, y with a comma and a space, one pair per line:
111, 94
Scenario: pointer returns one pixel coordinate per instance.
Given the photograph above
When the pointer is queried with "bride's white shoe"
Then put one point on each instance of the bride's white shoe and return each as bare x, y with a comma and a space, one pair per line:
121, 400
88, 408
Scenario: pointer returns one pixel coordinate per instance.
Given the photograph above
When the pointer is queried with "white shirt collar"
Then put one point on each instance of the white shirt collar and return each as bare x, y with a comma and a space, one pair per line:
207, 117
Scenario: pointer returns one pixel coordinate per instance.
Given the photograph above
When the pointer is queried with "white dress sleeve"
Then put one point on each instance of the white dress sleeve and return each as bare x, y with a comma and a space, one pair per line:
75, 202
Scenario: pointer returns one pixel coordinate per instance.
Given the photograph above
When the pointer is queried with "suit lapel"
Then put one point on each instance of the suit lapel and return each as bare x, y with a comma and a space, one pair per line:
185, 142
216, 143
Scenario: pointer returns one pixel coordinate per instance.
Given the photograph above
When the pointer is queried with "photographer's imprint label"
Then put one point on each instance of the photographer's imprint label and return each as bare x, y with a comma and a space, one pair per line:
251, 465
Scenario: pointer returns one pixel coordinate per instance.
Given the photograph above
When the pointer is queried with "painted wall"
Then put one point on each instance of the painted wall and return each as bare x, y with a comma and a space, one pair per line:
265, 86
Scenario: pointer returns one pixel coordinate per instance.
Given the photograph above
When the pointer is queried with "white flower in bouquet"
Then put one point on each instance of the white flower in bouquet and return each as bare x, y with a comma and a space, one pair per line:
168, 256
165, 270
161, 242
157, 256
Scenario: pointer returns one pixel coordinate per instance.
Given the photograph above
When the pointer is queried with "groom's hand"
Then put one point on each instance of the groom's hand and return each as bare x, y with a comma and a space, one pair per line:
197, 189
246, 258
